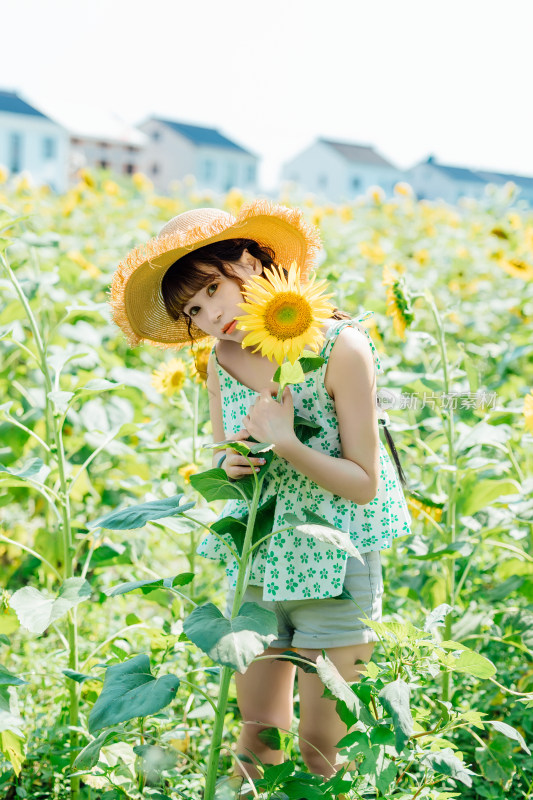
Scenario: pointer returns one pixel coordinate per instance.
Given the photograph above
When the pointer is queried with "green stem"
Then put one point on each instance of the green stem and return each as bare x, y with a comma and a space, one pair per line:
54, 428
227, 672
452, 481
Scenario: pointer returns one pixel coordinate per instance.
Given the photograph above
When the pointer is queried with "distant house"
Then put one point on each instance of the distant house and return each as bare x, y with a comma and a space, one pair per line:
101, 140
435, 181
523, 182
176, 150
340, 171
32, 142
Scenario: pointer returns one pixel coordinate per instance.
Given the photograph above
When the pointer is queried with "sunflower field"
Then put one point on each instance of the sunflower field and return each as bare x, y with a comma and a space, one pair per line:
107, 688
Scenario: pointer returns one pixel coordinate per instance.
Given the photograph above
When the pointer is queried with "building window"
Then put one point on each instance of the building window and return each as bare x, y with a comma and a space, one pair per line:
129, 169
208, 169
131, 148
322, 181
49, 148
103, 145
356, 183
156, 136
75, 141
155, 169
15, 152
231, 172
103, 164
250, 173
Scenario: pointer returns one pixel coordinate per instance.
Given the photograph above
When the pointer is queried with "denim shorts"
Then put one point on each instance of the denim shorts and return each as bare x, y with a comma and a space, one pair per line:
323, 623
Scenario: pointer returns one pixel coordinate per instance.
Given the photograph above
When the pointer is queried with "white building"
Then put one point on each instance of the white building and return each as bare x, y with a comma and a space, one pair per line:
100, 140
523, 182
32, 142
340, 171
433, 181
176, 150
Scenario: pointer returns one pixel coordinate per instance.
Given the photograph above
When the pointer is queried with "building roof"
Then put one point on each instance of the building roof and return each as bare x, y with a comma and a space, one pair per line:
13, 104
357, 153
202, 136
456, 173
502, 177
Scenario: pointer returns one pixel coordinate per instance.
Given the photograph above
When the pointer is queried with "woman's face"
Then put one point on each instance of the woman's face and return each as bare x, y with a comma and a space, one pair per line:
215, 306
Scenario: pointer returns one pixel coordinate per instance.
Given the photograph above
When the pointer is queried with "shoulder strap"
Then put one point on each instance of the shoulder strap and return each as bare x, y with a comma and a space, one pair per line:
354, 323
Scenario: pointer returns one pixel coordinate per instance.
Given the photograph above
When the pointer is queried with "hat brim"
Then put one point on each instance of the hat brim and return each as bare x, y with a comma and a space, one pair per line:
136, 300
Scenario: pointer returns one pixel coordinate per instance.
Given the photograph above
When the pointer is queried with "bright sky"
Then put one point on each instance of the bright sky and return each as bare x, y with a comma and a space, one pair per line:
411, 77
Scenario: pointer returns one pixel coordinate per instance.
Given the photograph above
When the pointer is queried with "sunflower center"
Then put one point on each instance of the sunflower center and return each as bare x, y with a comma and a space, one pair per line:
287, 315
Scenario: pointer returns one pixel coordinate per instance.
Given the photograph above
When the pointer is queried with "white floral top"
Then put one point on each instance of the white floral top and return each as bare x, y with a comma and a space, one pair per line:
289, 565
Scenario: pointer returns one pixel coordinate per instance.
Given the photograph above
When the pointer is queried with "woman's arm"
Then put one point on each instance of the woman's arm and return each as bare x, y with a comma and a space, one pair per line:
351, 377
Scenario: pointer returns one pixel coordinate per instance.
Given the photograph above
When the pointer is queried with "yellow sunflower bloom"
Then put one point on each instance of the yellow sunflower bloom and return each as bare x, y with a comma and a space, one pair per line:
416, 506
282, 316
186, 471
170, 377
198, 369
528, 411
398, 304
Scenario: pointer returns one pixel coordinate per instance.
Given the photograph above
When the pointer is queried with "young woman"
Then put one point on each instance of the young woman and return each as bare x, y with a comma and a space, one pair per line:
186, 285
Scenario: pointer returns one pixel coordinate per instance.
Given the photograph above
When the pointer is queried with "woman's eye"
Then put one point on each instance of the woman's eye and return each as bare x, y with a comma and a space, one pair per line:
193, 311
211, 286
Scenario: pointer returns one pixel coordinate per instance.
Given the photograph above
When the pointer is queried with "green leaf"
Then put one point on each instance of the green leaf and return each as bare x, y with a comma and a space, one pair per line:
79, 677
467, 661
132, 517
154, 759
245, 447
483, 493
36, 611
483, 434
321, 529
394, 698
214, 484
454, 550
236, 528
8, 679
333, 680
310, 361
130, 690
150, 585
276, 739
508, 731
447, 763
231, 642
34, 468
60, 401
304, 428
290, 373
90, 755
98, 385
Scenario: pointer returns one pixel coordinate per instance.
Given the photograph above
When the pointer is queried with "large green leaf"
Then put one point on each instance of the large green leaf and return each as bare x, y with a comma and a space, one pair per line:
231, 642
131, 517
333, 680
394, 698
213, 484
36, 611
467, 661
304, 428
321, 529
35, 468
130, 690
479, 494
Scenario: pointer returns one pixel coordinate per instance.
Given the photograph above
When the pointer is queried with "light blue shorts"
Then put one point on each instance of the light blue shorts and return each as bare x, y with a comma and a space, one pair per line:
323, 623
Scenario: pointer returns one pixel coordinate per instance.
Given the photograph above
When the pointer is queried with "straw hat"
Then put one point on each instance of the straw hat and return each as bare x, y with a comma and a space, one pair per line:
136, 302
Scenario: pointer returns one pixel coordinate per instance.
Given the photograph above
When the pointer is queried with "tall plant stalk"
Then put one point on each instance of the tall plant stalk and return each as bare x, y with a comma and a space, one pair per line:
54, 441
450, 519
227, 672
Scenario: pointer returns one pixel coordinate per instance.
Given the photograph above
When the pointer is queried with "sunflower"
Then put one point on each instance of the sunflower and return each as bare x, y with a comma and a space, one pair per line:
528, 411
398, 304
170, 377
282, 316
186, 471
198, 369
425, 504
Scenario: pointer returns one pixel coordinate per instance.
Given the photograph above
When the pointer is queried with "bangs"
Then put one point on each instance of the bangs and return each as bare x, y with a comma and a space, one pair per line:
180, 285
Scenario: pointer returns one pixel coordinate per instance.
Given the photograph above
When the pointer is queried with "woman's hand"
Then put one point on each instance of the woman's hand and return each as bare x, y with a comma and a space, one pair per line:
270, 421
235, 465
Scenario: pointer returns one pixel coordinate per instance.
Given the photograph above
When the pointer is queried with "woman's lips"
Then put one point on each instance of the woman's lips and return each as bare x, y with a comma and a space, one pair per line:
231, 327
